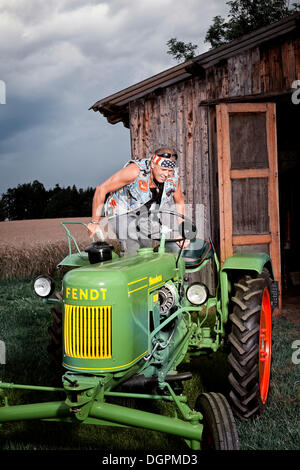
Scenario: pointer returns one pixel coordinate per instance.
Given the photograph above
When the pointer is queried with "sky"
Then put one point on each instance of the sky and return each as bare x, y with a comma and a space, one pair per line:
58, 57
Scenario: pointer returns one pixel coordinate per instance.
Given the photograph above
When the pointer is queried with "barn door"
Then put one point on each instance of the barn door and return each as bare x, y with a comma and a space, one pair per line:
248, 181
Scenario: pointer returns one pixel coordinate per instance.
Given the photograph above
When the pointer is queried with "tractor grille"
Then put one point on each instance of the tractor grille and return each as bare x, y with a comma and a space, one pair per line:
87, 332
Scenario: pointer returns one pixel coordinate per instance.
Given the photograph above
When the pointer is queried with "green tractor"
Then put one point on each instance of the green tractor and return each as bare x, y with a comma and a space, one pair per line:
127, 323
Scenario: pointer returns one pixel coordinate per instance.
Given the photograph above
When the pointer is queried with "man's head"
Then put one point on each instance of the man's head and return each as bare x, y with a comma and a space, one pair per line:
163, 163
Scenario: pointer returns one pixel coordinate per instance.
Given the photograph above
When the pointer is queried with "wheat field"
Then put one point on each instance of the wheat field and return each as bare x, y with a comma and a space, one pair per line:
32, 247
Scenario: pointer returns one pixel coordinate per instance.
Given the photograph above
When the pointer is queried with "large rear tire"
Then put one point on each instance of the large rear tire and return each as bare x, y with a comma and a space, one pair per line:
250, 340
219, 431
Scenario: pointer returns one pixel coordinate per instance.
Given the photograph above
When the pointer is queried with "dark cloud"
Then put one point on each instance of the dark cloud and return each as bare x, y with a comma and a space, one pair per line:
58, 57
22, 115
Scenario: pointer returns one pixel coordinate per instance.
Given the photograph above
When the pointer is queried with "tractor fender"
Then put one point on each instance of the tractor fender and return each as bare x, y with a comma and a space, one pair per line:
241, 262
249, 262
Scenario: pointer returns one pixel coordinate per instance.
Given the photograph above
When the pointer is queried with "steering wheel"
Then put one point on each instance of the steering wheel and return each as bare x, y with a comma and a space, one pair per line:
186, 228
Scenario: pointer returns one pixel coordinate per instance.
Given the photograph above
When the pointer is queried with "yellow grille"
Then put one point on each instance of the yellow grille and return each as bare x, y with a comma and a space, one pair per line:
87, 332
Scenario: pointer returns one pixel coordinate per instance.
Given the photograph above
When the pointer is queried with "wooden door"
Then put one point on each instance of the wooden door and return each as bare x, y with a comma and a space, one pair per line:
248, 181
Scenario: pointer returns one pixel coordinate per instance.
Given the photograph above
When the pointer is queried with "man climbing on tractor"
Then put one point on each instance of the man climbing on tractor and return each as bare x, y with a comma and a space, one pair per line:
130, 194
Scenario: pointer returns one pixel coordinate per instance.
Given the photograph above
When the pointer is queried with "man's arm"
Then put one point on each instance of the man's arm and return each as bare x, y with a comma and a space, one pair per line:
179, 200
180, 208
123, 177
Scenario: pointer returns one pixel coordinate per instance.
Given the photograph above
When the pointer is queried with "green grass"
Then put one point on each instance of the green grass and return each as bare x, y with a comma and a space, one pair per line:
24, 320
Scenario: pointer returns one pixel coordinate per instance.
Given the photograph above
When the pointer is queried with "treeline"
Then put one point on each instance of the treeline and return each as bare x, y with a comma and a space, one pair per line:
33, 201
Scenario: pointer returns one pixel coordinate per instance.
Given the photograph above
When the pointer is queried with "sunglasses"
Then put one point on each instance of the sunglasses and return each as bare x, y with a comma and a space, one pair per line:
167, 155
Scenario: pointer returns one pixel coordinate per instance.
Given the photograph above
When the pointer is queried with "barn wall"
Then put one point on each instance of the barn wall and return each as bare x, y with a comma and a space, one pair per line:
174, 118
270, 68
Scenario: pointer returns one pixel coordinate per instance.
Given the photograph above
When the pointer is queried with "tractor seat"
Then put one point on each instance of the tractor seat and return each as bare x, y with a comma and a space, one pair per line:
198, 251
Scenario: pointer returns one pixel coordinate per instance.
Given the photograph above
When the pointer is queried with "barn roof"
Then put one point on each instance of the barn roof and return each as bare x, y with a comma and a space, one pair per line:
115, 106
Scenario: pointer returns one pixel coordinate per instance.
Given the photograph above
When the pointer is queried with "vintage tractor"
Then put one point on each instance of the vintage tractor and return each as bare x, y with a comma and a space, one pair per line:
128, 322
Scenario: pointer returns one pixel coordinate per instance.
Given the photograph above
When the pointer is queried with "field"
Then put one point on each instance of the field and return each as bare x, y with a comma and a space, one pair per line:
31, 247
28, 248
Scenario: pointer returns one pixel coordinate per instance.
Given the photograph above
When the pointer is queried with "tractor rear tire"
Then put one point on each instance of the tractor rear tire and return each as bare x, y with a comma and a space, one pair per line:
250, 341
219, 427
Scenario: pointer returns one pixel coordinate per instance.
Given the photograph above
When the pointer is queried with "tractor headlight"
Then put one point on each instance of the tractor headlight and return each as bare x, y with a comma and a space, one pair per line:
197, 293
43, 286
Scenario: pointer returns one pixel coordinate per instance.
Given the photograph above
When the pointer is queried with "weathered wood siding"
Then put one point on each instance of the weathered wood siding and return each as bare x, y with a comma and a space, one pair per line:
174, 118
267, 69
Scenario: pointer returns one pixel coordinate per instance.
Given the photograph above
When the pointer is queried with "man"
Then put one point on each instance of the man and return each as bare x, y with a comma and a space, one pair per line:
141, 186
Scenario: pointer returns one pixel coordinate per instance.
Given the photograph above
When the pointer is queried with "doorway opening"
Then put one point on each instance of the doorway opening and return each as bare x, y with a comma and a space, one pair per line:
288, 120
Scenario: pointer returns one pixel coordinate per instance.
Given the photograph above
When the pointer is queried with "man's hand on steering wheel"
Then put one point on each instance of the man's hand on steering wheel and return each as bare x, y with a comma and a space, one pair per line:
185, 243
188, 229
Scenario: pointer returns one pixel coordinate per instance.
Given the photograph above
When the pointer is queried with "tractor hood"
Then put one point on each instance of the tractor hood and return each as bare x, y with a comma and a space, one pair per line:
106, 309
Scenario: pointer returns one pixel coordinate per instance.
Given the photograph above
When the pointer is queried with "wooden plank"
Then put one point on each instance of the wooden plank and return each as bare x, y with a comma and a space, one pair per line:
255, 239
225, 196
260, 248
288, 63
233, 81
224, 81
246, 99
274, 197
147, 128
189, 147
133, 113
255, 71
275, 68
214, 200
264, 70
227, 184
210, 84
249, 173
204, 172
196, 148
297, 58
173, 115
181, 136
220, 82
220, 151
246, 107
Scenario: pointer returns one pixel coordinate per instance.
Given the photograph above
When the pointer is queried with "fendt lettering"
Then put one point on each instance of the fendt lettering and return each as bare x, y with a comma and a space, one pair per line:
75, 293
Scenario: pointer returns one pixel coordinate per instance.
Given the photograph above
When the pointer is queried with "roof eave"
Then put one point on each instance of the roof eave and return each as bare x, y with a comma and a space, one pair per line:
115, 107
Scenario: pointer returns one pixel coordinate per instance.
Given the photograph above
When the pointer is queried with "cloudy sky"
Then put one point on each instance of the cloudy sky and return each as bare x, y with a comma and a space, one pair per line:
58, 57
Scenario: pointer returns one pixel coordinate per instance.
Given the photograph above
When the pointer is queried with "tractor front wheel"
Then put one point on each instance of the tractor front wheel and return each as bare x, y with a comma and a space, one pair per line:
250, 341
219, 428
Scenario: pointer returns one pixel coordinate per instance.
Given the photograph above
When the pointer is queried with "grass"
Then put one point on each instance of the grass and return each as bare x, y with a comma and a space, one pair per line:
24, 320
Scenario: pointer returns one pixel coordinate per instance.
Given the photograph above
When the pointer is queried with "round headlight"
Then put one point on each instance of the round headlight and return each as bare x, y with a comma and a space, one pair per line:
43, 286
197, 293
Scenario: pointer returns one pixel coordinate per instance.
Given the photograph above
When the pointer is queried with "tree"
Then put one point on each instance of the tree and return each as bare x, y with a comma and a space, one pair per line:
26, 201
33, 201
244, 17
180, 50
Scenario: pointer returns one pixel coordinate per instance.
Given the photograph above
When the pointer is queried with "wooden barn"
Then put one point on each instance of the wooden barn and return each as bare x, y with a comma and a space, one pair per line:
232, 113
